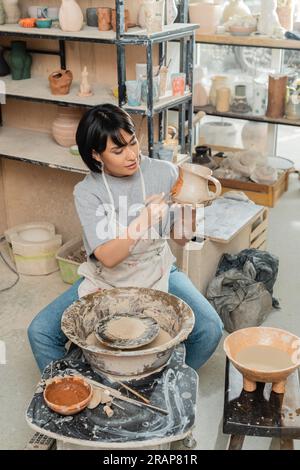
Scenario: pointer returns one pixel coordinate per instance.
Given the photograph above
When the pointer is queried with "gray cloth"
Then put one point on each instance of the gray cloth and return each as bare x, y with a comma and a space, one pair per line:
240, 301
261, 265
93, 205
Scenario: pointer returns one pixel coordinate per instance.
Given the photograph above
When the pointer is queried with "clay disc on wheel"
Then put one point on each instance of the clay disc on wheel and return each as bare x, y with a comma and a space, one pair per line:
127, 331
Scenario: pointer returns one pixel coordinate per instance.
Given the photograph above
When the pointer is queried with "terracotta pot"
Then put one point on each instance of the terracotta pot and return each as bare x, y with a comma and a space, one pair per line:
114, 19
68, 395
65, 125
263, 336
60, 82
104, 19
192, 185
286, 16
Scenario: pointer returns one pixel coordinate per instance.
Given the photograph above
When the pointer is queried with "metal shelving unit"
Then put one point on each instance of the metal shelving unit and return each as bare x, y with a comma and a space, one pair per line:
35, 89
277, 45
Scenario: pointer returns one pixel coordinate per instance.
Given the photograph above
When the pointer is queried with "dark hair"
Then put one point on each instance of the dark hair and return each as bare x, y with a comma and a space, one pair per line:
96, 125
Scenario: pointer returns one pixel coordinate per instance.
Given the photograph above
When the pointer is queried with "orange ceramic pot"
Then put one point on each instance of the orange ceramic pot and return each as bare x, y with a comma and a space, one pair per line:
68, 395
60, 82
65, 125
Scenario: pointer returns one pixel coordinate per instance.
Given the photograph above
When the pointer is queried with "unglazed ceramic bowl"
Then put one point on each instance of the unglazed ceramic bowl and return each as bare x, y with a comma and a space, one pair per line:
174, 316
68, 395
263, 336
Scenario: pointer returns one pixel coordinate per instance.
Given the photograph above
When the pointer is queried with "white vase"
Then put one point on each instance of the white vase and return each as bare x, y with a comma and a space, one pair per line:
70, 16
12, 11
268, 21
235, 8
171, 11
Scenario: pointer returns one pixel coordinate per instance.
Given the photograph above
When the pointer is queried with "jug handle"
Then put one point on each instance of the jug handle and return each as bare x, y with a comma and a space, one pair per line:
218, 188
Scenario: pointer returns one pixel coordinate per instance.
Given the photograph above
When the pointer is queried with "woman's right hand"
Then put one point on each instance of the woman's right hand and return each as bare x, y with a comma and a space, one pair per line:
150, 215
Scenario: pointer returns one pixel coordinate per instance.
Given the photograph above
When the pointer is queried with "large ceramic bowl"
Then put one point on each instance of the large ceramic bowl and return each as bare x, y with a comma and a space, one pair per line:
175, 318
263, 336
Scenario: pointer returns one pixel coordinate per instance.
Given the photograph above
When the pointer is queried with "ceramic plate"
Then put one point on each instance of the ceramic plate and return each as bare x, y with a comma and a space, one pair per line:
149, 326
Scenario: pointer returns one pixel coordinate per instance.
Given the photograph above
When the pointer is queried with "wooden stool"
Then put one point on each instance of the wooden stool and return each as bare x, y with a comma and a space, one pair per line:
260, 413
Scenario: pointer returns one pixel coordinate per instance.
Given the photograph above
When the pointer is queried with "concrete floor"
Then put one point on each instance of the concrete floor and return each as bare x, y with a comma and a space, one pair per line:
19, 305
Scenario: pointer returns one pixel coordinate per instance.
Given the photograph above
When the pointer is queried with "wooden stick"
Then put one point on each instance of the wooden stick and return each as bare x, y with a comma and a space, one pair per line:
119, 396
134, 392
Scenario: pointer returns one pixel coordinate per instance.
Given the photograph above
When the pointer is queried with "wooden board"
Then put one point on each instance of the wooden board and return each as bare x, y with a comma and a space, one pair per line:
225, 218
252, 41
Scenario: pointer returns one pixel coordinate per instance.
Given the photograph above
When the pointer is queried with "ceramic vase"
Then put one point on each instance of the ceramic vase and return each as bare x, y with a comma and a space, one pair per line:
218, 81
268, 20
277, 96
70, 16
171, 11
235, 8
2, 13
60, 82
151, 15
260, 97
12, 11
206, 15
92, 17
104, 19
65, 125
4, 68
19, 61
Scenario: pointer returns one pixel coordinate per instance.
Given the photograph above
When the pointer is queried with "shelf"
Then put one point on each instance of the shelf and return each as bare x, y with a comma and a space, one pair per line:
90, 34
163, 103
247, 41
38, 148
37, 89
211, 111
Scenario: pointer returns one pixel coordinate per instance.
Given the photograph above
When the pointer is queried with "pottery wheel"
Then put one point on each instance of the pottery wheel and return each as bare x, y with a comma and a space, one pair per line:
127, 331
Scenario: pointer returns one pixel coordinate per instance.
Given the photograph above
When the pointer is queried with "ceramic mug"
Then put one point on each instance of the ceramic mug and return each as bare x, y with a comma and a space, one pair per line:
192, 185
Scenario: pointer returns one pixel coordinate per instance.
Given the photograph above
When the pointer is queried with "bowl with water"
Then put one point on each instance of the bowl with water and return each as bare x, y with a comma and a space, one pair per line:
263, 354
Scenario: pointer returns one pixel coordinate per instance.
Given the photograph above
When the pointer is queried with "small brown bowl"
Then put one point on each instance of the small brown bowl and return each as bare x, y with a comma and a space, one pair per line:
68, 395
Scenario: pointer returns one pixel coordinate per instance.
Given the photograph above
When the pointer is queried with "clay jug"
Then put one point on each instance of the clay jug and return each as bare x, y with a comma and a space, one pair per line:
192, 185
60, 82
65, 125
70, 16
2, 13
19, 61
4, 68
12, 11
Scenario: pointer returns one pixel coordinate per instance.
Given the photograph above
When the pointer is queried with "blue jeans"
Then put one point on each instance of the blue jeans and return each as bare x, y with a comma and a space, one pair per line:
48, 341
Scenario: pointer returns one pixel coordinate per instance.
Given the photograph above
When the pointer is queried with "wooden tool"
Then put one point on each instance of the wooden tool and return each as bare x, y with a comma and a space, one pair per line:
134, 392
118, 395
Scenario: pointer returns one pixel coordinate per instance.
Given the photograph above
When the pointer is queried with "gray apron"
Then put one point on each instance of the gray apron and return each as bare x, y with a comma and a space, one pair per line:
148, 264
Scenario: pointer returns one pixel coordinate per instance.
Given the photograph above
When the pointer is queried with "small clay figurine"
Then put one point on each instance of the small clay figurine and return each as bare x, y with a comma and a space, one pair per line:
85, 88
60, 82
